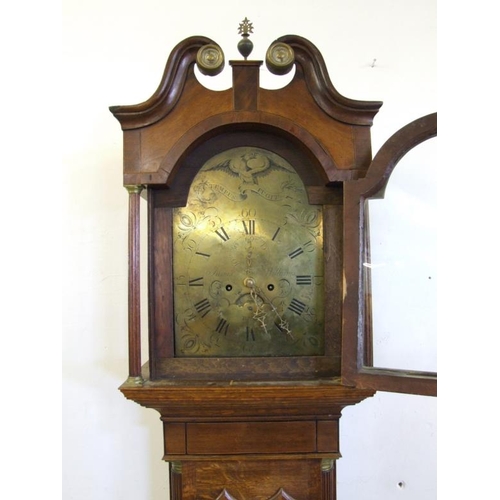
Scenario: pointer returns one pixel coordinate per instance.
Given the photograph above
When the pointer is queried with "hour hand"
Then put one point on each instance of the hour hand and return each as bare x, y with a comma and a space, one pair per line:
261, 300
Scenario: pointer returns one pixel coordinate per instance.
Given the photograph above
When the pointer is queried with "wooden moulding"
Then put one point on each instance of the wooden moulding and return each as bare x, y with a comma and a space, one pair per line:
237, 400
157, 129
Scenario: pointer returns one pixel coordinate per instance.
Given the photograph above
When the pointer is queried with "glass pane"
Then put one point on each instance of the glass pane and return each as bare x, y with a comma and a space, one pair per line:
402, 264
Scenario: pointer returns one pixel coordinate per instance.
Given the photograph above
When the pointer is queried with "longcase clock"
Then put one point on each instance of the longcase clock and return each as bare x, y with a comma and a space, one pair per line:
258, 305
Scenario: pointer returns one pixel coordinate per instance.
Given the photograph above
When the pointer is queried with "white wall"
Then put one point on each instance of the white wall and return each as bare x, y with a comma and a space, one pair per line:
114, 53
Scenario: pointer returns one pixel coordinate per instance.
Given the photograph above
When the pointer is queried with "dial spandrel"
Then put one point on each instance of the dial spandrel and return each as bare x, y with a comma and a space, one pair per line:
248, 261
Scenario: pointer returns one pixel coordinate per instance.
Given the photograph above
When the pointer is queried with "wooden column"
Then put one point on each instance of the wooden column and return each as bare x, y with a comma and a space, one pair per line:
175, 481
134, 290
329, 479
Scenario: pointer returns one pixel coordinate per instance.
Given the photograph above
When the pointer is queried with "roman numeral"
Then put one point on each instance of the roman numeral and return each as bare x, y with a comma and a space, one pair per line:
296, 253
249, 226
203, 307
250, 335
297, 306
196, 282
303, 279
203, 254
221, 233
222, 326
300, 250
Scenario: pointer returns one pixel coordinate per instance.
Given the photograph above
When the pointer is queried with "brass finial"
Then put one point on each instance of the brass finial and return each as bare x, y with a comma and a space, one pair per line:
245, 45
245, 27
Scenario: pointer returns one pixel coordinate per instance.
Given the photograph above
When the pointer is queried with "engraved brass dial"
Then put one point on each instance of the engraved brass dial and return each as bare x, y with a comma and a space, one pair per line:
248, 261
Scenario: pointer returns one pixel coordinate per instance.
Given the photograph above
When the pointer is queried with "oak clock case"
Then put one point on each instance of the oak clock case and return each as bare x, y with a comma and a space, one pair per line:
258, 302
248, 261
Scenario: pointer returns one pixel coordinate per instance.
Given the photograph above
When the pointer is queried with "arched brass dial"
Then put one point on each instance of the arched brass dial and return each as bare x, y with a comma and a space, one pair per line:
248, 261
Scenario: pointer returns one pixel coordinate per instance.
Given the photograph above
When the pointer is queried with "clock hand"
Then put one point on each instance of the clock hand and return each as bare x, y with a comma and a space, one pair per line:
260, 315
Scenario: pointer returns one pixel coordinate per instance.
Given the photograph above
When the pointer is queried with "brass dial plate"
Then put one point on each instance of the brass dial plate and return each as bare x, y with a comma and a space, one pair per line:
248, 261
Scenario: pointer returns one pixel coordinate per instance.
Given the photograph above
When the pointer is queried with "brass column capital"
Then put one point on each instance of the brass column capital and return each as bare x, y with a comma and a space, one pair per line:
134, 188
327, 464
176, 467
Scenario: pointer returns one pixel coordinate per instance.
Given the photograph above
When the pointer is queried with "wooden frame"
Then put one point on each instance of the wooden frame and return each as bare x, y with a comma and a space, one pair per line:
163, 363
358, 367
